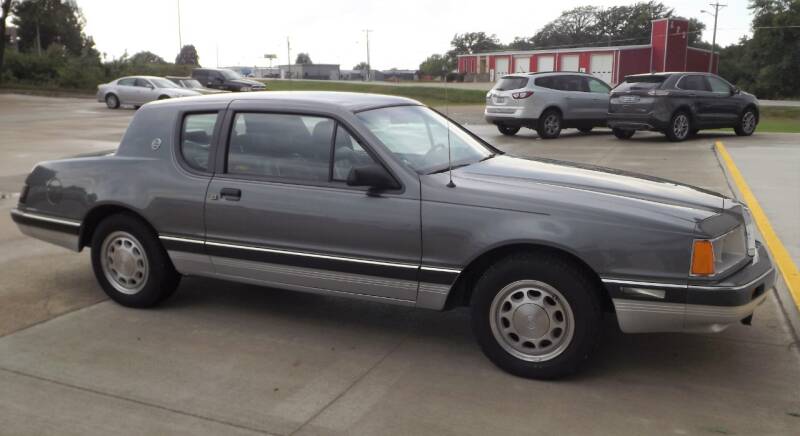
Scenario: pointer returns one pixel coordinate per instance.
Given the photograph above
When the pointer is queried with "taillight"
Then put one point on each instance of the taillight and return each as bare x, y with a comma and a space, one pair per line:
658, 92
521, 95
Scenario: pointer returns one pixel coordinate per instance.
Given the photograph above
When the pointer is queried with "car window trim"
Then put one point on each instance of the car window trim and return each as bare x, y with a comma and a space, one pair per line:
221, 167
212, 146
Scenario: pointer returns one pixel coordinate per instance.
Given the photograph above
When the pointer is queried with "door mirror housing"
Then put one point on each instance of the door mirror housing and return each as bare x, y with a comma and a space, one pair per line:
735, 90
374, 176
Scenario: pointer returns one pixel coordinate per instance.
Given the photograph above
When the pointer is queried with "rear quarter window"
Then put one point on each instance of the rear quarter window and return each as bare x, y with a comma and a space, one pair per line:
196, 133
509, 83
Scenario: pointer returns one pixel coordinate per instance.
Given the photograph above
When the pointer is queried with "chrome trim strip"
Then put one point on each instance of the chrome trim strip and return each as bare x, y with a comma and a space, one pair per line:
437, 269
317, 256
651, 284
45, 218
733, 288
177, 239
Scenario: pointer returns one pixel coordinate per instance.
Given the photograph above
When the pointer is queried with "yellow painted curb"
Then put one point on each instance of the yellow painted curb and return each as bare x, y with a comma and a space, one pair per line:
779, 253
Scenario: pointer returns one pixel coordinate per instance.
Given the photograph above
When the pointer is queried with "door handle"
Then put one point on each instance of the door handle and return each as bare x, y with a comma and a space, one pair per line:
231, 194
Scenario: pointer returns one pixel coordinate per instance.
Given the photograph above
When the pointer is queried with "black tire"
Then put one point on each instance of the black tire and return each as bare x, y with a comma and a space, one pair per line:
549, 124
747, 123
163, 97
156, 285
585, 129
623, 133
680, 126
137, 107
112, 101
508, 130
580, 291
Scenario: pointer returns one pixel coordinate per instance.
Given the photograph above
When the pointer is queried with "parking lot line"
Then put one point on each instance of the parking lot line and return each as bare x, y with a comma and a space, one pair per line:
779, 252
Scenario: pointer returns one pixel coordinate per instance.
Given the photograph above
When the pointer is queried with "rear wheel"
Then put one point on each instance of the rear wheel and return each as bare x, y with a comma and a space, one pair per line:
747, 123
585, 129
130, 264
536, 315
549, 124
508, 130
623, 133
112, 101
679, 127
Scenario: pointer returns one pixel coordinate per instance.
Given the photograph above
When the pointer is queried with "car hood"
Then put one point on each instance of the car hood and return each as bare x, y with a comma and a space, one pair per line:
207, 91
247, 82
518, 171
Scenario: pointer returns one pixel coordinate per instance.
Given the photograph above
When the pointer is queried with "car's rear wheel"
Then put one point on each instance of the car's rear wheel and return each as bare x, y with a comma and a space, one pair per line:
549, 124
623, 133
680, 126
130, 264
585, 129
536, 315
112, 101
747, 123
508, 130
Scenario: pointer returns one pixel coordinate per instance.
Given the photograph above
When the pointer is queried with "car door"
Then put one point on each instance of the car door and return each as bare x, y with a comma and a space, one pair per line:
578, 102
694, 89
145, 91
597, 103
280, 213
126, 90
724, 107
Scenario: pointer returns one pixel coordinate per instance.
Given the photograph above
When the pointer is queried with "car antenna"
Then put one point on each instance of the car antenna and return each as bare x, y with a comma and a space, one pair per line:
450, 184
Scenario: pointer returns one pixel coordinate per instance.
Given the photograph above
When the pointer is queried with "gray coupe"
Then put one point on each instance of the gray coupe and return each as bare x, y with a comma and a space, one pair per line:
383, 199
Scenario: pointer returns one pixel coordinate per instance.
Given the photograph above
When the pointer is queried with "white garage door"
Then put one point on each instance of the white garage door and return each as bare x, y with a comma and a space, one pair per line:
601, 66
522, 64
500, 67
569, 63
545, 63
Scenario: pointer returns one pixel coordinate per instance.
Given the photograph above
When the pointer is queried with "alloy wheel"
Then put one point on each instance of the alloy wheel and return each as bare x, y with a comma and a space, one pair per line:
680, 126
551, 124
749, 122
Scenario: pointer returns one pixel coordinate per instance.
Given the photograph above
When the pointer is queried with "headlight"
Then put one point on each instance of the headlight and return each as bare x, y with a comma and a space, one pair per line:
712, 257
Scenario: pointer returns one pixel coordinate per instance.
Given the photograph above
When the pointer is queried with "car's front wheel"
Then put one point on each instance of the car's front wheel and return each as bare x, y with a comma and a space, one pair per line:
112, 101
680, 127
130, 264
623, 133
747, 123
549, 124
536, 315
508, 130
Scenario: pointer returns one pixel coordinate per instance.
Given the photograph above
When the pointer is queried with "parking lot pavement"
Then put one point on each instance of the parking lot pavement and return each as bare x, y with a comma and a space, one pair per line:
230, 358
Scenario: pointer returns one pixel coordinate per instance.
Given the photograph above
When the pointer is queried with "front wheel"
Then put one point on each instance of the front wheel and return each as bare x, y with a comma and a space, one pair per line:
623, 133
536, 315
747, 123
508, 130
549, 125
680, 126
112, 102
130, 264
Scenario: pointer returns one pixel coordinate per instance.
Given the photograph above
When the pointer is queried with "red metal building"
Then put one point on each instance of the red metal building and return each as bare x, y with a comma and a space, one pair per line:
668, 51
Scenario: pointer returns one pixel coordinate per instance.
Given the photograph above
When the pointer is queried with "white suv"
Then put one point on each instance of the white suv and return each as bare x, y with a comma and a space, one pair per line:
547, 103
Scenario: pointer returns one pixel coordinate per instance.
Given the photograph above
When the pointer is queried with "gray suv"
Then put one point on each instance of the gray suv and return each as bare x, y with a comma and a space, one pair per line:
547, 103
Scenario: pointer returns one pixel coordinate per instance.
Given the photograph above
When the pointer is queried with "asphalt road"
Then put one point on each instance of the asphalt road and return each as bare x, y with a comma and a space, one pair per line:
222, 358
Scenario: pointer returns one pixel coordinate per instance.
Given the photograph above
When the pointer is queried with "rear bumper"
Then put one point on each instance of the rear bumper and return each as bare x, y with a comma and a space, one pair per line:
694, 307
511, 121
636, 121
59, 231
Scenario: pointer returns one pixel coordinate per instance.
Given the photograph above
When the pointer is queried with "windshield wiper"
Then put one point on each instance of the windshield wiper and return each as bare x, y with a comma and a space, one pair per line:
447, 168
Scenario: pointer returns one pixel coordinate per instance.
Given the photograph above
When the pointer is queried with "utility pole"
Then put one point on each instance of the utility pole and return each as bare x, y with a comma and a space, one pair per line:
289, 57
369, 65
716, 7
180, 39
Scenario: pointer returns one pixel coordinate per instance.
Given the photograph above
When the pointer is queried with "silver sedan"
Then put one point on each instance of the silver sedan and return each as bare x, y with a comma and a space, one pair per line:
138, 90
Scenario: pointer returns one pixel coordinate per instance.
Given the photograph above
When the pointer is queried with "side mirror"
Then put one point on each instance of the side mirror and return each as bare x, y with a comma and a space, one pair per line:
735, 90
374, 176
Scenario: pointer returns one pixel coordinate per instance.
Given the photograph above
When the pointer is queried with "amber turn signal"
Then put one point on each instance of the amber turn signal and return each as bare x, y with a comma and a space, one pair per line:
703, 258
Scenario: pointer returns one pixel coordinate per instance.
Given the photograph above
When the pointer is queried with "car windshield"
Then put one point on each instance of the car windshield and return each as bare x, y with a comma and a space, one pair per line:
191, 83
163, 83
230, 75
418, 136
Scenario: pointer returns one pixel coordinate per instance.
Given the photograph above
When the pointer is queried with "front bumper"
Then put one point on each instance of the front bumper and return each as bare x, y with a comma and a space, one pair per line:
695, 307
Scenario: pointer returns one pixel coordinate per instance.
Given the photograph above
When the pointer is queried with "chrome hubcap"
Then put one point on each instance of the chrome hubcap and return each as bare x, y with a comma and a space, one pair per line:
532, 321
124, 262
749, 122
681, 126
551, 124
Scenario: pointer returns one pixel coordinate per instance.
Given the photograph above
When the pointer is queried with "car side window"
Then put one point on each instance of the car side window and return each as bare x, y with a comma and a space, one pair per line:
126, 82
142, 83
347, 154
692, 83
718, 86
597, 86
283, 146
569, 83
545, 82
196, 134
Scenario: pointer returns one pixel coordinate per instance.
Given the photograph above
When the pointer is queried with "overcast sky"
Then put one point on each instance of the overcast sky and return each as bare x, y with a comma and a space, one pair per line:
331, 31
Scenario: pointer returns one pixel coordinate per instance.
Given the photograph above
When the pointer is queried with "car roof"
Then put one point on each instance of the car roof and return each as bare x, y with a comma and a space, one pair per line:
179, 77
351, 101
548, 73
671, 73
140, 77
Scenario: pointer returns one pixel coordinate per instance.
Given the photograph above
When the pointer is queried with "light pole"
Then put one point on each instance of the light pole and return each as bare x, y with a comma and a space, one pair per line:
369, 66
180, 40
716, 7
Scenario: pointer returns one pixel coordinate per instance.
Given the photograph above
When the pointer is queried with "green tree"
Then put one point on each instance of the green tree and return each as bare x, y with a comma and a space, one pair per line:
303, 59
44, 22
188, 56
361, 66
474, 42
146, 57
435, 65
